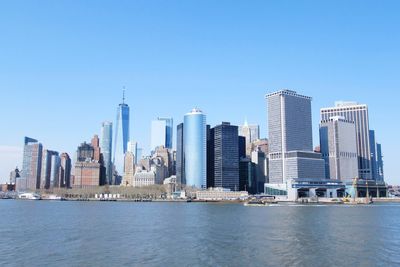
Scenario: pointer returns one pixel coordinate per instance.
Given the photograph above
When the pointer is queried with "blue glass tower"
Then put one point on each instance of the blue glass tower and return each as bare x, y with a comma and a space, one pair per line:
121, 135
195, 149
162, 133
106, 149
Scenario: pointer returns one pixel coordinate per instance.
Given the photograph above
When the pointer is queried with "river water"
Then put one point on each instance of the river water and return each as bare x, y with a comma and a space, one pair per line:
196, 234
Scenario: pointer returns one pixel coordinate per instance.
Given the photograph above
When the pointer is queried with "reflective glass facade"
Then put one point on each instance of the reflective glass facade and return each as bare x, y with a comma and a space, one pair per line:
31, 165
195, 149
121, 137
162, 133
106, 149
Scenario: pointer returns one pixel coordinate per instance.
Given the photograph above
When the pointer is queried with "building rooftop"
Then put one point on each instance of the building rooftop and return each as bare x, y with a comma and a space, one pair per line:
195, 111
345, 104
287, 92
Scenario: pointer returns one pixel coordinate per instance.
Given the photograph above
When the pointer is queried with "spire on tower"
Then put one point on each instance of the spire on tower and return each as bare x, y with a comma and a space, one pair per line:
123, 95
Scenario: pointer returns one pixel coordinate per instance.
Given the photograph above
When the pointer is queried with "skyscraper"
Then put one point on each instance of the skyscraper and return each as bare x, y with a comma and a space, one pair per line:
291, 153
106, 149
195, 149
47, 168
357, 113
251, 133
374, 163
223, 155
14, 175
161, 133
339, 148
379, 156
180, 161
260, 160
88, 167
130, 168
64, 180
55, 170
31, 166
121, 135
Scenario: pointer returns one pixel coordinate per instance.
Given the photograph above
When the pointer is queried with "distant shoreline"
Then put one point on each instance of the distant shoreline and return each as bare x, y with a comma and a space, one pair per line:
288, 203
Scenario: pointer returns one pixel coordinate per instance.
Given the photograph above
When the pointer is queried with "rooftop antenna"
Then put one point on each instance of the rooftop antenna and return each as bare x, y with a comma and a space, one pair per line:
123, 95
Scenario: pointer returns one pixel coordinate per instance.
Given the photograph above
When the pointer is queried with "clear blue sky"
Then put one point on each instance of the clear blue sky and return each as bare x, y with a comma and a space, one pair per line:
63, 64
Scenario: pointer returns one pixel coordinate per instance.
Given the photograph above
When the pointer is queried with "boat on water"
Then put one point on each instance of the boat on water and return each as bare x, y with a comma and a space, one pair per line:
54, 198
29, 196
260, 202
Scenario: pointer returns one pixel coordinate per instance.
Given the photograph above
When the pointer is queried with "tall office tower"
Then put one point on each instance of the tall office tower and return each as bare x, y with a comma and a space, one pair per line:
133, 147
121, 136
14, 175
357, 113
106, 149
374, 163
130, 167
247, 176
379, 156
223, 155
291, 152
251, 133
161, 133
339, 148
242, 147
55, 171
166, 157
260, 145
88, 165
260, 160
139, 154
180, 162
195, 149
47, 168
31, 166
64, 174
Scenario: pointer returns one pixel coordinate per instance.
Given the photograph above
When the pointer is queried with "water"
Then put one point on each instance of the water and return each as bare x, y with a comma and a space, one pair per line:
194, 234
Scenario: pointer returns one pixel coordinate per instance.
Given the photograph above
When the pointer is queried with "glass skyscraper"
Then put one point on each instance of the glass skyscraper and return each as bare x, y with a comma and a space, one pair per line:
161, 133
31, 165
180, 161
195, 149
49, 163
379, 156
223, 155
106, 149
121, 136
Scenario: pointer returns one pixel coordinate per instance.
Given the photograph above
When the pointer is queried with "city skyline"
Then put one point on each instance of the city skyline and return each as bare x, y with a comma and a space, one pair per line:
59, 88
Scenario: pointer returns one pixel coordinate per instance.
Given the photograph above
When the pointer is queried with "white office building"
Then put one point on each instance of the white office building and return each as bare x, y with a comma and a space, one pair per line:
358, 114
339, 148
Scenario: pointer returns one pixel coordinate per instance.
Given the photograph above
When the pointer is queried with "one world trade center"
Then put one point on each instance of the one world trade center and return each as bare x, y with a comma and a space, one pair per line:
121, 135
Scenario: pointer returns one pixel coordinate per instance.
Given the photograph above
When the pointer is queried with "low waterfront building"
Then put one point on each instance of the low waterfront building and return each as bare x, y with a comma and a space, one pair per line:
297, 189
362, 188
144, 178
8, 187
221, 194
